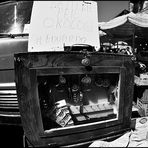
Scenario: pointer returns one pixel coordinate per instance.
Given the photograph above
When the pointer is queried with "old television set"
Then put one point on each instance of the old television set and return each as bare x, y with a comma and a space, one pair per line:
73, 98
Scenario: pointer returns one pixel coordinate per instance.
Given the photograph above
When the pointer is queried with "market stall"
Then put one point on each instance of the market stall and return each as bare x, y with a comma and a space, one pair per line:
129, 27
133, 29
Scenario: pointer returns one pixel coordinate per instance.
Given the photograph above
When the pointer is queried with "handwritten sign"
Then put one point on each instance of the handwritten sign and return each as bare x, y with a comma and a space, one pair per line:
55, 24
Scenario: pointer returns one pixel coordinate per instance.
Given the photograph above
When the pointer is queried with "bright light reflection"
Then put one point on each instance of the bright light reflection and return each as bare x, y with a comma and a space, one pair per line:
15, 29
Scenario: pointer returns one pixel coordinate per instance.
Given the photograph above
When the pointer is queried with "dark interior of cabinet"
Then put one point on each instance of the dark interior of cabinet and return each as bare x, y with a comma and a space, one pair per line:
67, 100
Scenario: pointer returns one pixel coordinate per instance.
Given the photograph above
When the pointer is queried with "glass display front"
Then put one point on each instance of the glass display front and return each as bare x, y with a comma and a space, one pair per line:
69, 100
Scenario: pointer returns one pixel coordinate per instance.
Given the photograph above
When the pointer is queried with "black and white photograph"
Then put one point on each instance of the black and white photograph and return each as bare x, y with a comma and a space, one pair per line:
74, 74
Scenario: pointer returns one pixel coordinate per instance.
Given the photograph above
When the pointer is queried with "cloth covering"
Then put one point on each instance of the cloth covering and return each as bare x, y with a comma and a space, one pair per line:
139, 19
134, 138
127, 25
115, 22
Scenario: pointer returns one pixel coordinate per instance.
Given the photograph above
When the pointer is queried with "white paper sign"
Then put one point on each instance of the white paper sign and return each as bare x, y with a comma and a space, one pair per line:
55, 24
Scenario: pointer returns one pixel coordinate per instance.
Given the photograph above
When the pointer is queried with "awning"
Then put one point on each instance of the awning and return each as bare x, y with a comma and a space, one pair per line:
127, 25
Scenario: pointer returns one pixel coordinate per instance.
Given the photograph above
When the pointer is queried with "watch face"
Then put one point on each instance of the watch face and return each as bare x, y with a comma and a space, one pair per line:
106, 83
99, 82
86, 83
62, 80
86, 80
102, 82
75, 88
86, 62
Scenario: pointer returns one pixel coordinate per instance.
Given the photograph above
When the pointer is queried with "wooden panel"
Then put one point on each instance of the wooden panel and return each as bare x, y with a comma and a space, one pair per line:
28, 66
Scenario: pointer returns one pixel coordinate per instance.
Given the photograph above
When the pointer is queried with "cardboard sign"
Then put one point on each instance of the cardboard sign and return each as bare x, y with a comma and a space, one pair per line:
55, 24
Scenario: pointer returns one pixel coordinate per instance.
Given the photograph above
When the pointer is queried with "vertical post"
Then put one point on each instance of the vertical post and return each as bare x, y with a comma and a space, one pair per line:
133, 40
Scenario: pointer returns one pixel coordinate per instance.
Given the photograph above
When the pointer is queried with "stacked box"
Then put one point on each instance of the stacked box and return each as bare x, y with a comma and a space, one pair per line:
143, 106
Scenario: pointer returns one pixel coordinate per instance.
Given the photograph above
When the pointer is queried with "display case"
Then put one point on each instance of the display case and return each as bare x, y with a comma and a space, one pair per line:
73, 98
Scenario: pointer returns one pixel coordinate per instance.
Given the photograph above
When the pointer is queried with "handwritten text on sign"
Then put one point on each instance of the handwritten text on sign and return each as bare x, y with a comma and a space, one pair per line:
55, 24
